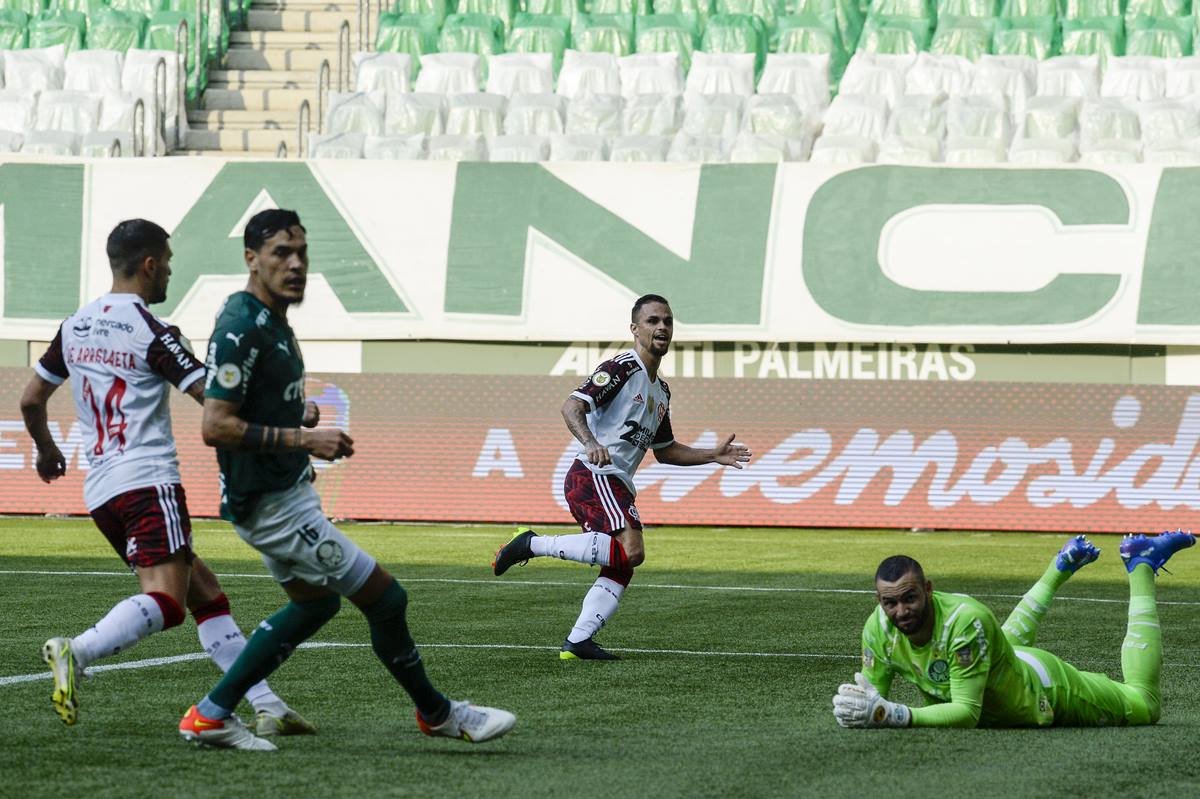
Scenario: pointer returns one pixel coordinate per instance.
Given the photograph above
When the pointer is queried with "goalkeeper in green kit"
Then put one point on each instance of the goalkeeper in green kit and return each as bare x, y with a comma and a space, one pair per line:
974, 672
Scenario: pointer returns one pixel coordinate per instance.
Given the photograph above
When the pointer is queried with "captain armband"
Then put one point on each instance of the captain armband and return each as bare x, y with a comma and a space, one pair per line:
264, 438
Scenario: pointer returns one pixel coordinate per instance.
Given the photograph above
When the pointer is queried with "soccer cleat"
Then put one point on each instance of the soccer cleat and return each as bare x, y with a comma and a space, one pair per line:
587, 649
1075, 554
285, 721
515, 551
471, 723
226, 733
67, 673
1154, 550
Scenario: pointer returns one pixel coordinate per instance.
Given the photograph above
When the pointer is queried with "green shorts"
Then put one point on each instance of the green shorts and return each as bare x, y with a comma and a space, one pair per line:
1084, 698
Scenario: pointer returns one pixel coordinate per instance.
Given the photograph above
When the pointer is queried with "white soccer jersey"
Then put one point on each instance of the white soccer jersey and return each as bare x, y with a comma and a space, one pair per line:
628, 414
120, 358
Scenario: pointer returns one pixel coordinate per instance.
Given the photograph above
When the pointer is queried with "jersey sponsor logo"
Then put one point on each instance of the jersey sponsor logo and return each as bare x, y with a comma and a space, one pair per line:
83, 326
174, 346
637, 435
294, 391
939, 671
229, 375
248, 364
601, 379
114, 324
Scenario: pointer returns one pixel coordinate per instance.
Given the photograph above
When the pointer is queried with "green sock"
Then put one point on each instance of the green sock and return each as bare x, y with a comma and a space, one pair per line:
395, 648
1022, 624
271, 644
1141, 652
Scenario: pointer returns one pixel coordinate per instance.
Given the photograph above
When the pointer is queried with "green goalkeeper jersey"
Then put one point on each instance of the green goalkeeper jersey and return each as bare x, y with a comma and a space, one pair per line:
968, 672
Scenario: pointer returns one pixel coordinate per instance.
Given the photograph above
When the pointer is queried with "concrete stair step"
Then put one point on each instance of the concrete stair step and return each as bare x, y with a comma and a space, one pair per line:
246, 58
302, 20
346, 7
297, 40
262, 78
258, 99
265, 155
240, 140
244, 120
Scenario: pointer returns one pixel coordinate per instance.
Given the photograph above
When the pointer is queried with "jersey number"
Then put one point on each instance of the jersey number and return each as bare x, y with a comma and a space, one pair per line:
111, 422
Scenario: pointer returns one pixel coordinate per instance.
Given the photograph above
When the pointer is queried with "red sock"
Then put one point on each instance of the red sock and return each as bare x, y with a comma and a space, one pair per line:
217, 607
172, 613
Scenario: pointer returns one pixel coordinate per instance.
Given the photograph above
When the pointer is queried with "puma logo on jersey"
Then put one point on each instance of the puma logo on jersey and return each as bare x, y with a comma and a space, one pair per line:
236, 339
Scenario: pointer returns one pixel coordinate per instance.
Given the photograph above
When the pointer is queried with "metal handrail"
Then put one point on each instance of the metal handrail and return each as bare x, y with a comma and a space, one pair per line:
201, 35
323, 80
139, 127
114, 149
281, 150
160, 109
303, 120
343, 56
363, 11
181, 35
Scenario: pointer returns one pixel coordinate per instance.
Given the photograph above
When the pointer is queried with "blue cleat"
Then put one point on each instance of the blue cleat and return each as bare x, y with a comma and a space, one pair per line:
1156, 550
1075, 554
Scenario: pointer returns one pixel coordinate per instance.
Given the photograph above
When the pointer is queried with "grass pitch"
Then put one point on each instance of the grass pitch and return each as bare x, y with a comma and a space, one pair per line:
734, 641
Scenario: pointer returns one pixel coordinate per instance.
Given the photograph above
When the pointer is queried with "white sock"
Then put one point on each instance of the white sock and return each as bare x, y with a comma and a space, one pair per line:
593, 549
599, 604
223, 642
130, 620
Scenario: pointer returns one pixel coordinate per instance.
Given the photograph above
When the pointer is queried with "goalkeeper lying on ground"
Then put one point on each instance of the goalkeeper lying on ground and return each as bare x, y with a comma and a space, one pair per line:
973, 672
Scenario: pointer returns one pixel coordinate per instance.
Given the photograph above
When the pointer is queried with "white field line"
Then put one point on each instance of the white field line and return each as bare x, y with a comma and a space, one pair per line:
166, 661
567, 584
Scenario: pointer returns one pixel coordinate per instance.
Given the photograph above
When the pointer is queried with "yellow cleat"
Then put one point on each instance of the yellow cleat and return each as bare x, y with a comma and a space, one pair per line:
271, 722
66, 672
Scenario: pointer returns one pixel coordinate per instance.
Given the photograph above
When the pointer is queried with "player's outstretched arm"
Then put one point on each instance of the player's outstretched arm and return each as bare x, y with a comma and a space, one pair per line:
727, 453
859, 704
574, 412
50, 462
223, 428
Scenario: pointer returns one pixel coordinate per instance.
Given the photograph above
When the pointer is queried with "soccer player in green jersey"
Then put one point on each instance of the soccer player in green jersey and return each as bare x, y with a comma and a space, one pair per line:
256, 416
973, 671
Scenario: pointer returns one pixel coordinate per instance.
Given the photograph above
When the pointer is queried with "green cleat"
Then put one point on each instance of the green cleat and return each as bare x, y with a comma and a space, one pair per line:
269, 722
67, 673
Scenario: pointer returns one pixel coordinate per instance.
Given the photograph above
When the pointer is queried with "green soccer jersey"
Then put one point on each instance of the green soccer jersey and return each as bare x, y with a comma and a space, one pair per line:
968, 670
254, 361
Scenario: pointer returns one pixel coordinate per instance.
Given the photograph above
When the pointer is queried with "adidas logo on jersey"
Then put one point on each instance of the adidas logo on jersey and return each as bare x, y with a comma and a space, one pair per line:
638, 400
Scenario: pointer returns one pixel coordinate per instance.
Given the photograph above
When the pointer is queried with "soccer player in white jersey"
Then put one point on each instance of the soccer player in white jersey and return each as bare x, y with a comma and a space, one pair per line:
619, 412
120, 359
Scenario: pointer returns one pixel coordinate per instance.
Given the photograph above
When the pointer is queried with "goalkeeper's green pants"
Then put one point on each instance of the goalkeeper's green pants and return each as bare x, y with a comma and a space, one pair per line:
1088, 699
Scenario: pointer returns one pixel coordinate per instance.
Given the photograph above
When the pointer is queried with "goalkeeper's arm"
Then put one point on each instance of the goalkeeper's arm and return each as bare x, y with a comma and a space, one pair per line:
859, 704
963, 709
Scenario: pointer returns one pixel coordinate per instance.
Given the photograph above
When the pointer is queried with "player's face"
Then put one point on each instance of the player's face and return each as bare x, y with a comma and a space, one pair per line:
907, 602
280, 266
160, 276
654, 328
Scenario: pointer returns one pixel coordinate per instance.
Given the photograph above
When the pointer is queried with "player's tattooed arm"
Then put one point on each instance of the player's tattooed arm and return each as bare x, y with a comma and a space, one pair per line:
50, 462
196, 391
574, 412
223, 428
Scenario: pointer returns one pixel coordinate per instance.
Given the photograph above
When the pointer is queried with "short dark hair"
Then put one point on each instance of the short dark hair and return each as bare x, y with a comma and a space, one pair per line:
895, 567
133, 241
266, 224
645, 299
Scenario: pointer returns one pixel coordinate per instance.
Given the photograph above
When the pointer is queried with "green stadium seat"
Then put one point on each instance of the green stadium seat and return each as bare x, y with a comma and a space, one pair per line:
769, 11
1098, 36
415, 34
557, 8
843, 17
737, 33
217, 40
604, 33
637, 8
908, 9
116, 30
85, 7
506, 10
1162, 37
14, 29
969, 37
58, 27
482, 34
441, 9
1029, 8
1036, 37
1090, 9
160, 35
810, 35
1156, 8
895, 35
540, 33
33, 8
147, 8
666, 33
976, 9
697, 12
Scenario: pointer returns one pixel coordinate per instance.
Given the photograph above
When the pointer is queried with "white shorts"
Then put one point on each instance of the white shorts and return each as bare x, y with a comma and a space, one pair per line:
297, 542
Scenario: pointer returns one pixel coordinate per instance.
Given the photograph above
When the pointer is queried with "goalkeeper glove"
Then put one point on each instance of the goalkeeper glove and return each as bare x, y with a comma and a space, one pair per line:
858, 704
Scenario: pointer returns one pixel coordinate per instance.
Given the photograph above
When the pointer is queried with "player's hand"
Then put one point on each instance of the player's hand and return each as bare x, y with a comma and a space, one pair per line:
859, 704
731, 454
51, 464
312, 414
327, 443
597, 454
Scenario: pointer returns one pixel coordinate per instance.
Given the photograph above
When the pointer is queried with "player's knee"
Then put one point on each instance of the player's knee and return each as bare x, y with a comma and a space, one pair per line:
321, 610
391, 604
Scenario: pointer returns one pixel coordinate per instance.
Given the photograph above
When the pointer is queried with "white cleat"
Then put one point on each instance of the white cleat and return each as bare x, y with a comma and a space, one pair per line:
472, 723
226, 733
67, 673
282, 721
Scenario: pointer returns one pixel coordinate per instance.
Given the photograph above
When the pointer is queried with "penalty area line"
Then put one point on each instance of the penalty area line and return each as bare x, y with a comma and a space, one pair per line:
568, 584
